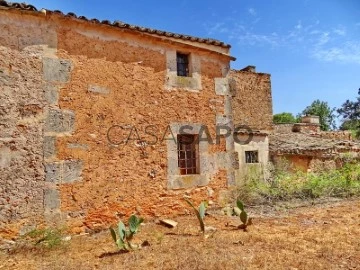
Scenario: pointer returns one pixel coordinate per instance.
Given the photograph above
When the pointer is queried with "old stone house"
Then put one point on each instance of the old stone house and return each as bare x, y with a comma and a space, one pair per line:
91, 118
303, 146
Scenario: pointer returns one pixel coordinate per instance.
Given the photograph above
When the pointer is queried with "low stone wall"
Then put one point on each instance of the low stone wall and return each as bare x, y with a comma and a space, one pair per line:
336, 135
306, 127
283, 128
313, 130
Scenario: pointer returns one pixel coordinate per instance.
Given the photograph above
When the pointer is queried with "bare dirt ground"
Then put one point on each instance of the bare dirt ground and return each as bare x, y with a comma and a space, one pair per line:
323, 236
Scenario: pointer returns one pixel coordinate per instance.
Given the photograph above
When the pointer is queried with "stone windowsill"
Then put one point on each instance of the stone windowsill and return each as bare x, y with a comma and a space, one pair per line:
188, 83
187, 181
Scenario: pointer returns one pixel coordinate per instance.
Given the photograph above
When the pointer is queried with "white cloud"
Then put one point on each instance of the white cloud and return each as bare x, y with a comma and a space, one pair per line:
314, 32
323, 38
348, 52
252, 11
329, 44
217, 28
340, 30
258, 39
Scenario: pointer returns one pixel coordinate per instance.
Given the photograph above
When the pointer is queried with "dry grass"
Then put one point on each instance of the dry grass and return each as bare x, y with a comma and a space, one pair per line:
318, 237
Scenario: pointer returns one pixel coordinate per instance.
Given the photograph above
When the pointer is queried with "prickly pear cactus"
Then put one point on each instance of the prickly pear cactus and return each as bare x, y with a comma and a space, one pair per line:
246, 221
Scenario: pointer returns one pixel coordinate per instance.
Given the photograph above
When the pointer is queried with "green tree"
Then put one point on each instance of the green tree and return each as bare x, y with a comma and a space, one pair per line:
325, 113
349, 124
350, 113
284, 118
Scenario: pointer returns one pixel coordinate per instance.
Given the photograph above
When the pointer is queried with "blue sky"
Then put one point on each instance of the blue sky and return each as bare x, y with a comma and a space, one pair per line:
311, 48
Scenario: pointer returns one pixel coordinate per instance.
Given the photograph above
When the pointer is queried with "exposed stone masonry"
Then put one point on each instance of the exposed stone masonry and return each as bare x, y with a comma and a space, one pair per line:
252, 102
68, 81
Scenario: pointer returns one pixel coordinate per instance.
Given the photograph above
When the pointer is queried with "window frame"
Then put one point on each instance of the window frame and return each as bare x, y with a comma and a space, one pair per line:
183, 64
188, 154
250, 158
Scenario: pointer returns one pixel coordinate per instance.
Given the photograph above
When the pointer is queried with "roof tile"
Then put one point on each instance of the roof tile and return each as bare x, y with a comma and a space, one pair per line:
23, 6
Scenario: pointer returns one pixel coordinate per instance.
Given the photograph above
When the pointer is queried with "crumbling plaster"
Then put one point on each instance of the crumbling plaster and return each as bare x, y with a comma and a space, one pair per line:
65, 84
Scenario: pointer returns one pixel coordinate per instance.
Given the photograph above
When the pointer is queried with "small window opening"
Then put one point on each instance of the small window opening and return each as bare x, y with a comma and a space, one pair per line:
187, 154
182, 64
251, 157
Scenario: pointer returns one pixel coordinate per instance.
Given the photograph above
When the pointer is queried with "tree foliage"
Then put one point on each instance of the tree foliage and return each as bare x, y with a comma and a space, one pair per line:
349, 124
284, 118
350, 113
325, 113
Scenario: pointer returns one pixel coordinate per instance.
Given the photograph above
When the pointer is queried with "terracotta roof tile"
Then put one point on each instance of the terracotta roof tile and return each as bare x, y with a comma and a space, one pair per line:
23, 6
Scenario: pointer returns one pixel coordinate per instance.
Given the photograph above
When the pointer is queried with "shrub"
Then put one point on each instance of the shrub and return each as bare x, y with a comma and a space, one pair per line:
47, 237
284, 185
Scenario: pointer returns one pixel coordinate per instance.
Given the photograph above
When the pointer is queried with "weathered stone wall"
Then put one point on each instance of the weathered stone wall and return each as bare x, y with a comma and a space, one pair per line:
304, 163
336, 135
24, 43
66, 83
311, 151
306, 128
322, 165
252, 102
259, 143
313, 130
283, 128
119, 180
294, 162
